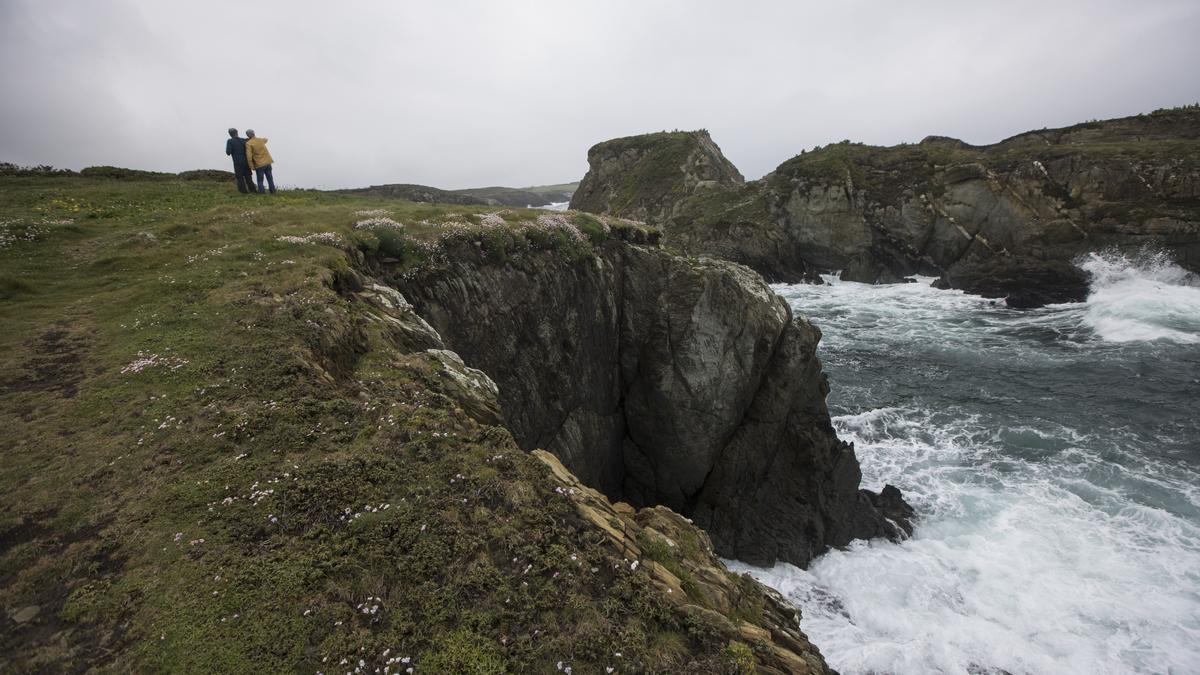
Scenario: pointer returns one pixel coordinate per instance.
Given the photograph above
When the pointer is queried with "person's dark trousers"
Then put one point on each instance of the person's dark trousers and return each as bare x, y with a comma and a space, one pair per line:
241, 173
265, 171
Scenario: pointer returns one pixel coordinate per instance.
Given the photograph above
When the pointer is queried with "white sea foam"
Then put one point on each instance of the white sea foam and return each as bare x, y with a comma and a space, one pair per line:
1052, 456
1142, 297
1018, 566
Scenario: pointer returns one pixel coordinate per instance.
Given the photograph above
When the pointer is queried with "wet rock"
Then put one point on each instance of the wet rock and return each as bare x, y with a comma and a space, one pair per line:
1023, 283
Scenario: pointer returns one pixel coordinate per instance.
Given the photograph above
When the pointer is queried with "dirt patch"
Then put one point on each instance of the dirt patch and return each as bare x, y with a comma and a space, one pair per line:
35, 634
55, 365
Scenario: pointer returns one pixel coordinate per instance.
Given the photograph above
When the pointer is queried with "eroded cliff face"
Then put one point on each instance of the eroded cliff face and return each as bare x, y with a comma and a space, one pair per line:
662, 380
1004, 220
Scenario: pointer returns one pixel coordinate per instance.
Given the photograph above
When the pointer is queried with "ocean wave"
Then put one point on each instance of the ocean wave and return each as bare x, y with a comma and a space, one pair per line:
1034, 564
1141, 297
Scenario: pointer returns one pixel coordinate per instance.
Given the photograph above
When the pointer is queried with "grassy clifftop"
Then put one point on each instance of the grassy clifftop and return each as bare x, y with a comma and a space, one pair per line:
226, 450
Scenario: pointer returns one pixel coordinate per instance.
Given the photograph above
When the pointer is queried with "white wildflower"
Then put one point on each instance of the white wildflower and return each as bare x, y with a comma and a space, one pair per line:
379, 223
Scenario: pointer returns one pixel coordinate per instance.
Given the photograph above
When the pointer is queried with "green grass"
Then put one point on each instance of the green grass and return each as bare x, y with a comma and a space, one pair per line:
215, 461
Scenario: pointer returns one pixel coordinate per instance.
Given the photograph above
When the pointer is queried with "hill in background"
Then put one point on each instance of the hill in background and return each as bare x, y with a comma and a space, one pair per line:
538, 195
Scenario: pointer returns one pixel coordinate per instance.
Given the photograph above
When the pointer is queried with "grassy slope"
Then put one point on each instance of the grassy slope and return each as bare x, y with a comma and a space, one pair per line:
222, 507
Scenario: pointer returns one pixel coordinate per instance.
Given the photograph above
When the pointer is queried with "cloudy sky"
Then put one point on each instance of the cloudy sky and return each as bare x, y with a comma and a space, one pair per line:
465, 94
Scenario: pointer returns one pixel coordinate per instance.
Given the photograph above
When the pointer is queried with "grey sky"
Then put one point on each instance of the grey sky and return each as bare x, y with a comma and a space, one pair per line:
465, 94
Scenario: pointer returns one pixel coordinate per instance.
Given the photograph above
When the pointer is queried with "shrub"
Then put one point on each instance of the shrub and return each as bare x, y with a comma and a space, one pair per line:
122, 173
214, 175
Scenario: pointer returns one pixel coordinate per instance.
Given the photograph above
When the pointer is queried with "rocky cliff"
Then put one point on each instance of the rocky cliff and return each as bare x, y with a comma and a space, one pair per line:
643, 177
1004, 220
662, 380
230, 448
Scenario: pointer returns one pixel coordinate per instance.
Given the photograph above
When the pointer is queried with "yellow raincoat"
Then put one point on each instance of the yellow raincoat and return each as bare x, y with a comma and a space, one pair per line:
256, 153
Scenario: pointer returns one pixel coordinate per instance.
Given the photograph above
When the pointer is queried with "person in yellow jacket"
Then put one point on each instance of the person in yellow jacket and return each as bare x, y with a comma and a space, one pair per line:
259, 160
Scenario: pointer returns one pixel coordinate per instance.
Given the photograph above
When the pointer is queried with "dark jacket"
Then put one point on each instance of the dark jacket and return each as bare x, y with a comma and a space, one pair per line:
236, 148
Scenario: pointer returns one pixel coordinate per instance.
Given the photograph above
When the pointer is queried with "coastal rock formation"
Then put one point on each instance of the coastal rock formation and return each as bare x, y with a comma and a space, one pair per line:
1004, 220
682, 565
644, 177
662, 380
267, 460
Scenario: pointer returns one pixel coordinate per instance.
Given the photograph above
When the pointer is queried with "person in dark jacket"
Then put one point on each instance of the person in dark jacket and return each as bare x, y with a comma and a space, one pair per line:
236, 148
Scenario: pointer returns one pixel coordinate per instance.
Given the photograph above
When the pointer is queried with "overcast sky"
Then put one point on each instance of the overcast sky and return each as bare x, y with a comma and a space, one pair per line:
467, 94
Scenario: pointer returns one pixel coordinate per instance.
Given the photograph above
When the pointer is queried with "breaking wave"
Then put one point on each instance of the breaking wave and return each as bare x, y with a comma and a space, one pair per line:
1053, 457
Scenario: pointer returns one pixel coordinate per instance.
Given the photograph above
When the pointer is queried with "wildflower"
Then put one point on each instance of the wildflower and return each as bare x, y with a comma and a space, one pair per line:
379, 223
330, 238
491, 220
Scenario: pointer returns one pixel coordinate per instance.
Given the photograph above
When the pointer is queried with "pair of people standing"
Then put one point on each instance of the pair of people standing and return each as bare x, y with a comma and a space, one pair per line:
250, 153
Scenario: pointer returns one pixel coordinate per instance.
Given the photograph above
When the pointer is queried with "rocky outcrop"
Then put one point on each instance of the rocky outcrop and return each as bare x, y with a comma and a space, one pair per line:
1005, 220
676, 556
681, 563
644, 177
662, 380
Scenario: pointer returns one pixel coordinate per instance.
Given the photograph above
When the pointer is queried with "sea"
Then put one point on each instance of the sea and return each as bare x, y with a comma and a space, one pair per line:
1053, 458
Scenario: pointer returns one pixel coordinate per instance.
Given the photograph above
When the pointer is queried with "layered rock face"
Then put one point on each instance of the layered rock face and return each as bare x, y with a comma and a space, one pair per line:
663, 380
644, 177
1004, 220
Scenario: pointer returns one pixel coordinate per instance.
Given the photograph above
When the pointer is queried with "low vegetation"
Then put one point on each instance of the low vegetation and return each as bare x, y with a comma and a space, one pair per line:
216, 460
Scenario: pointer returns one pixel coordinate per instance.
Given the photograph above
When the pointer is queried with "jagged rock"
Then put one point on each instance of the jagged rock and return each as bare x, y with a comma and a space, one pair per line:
1006, 219
473, 389
1023, 283
660, 540
663, 380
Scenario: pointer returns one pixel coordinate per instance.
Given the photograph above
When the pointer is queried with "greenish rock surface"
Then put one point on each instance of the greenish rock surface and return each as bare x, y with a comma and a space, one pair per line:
644, 177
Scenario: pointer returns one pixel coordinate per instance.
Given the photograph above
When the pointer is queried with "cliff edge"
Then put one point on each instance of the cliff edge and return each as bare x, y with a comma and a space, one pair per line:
662, 380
